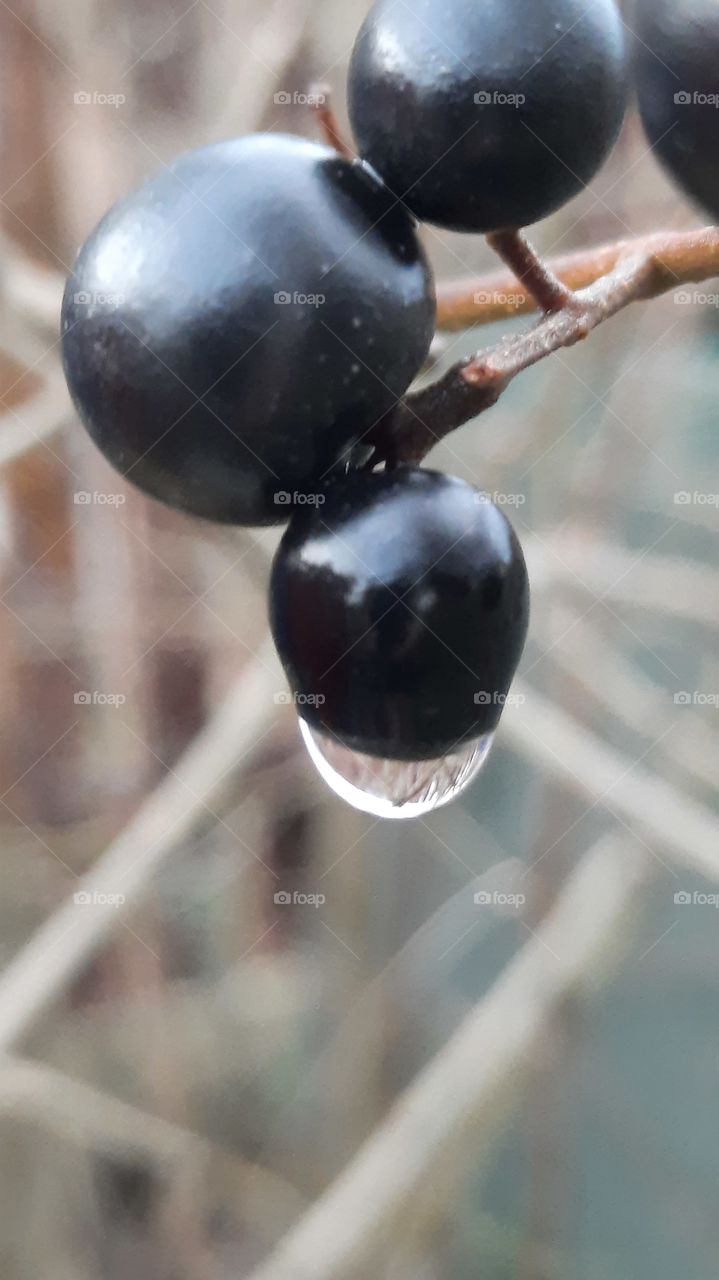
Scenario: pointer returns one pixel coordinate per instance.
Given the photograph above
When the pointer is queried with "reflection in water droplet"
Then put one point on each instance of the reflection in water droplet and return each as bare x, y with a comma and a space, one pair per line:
394, 788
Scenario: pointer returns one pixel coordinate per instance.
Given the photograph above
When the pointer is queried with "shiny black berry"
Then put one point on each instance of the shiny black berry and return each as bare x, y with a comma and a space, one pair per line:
232, 327
677, 70
487, 114
399, 607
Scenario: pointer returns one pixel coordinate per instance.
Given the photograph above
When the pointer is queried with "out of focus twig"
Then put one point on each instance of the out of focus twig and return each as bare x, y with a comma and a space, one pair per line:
625, 692
326, 116
27, 425
458, 1100
60, 947
677, 587
90, 1117
556, 743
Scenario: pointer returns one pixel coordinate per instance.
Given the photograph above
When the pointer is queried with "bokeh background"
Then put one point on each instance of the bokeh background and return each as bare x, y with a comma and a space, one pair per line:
185, 1074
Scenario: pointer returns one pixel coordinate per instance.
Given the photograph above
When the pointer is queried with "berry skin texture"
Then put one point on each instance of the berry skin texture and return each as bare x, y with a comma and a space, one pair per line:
399, 608
677, 73
484, 115
231, 328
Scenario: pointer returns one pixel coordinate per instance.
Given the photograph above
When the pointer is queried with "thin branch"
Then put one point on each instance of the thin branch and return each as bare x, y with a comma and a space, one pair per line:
545, 288
683, 829
685, 257
672, 586
455, 1104
424, 417
87, 1116
623, 690
61, 946
24, 426
330, 127
30, 291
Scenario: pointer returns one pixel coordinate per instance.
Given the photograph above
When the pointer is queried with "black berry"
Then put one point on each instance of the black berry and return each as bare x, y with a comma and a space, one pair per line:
677, 69
487, 114
399, 608
232, 327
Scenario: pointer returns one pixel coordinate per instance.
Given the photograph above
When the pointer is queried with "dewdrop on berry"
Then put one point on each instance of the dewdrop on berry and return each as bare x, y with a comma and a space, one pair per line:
399, 607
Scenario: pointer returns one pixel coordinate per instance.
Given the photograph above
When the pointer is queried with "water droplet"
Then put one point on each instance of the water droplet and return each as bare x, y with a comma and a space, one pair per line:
394, 788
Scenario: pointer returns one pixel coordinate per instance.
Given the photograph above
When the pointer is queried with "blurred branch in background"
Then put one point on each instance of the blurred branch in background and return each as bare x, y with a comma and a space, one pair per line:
188, 796
456, 1103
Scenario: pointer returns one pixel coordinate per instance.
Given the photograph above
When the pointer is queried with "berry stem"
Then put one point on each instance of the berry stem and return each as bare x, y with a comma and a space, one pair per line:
642, 270
544, 287
326, 116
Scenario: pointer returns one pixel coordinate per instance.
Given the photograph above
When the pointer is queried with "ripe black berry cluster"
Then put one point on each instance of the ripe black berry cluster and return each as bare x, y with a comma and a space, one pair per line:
234, 330
677, 72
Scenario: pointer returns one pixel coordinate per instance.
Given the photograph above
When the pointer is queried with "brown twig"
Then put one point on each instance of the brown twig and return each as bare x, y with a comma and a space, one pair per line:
330, 127
637, 271
687, 257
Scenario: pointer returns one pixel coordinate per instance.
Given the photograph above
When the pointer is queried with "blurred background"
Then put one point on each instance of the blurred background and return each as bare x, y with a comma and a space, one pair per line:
187, 1060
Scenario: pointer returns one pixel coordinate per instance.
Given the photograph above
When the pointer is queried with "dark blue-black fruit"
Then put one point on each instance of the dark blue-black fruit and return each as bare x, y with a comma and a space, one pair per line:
399, 608
677, 72
233, 326
487, 114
